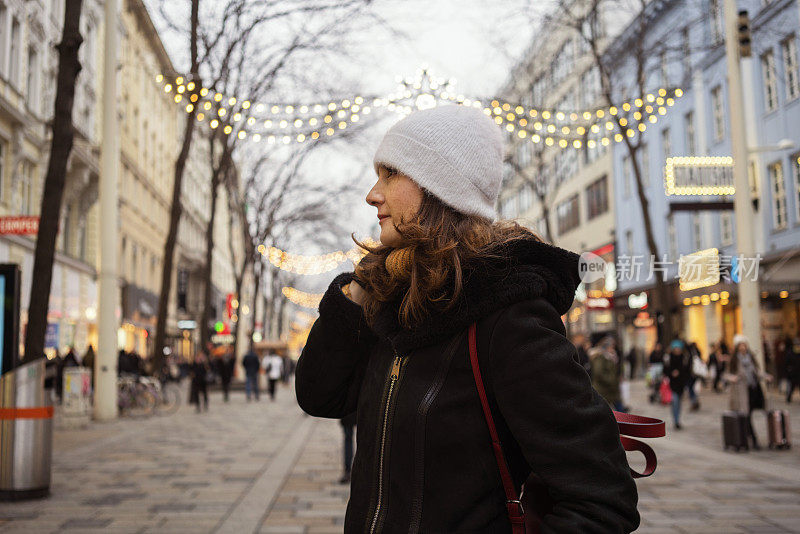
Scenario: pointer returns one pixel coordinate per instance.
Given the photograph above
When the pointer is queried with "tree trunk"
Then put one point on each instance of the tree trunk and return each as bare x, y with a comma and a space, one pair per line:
205, 328
177, 207
257, 267
60, 147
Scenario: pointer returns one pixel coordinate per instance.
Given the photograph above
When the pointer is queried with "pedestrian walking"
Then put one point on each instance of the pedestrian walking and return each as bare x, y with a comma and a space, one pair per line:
224, 364
605, 376
792, 357
273, 367
717, 364
199, 373
655, 370
348, 423
251, 368
393, 339
678, 369
88, 362
633, 361
744, 377
698, 371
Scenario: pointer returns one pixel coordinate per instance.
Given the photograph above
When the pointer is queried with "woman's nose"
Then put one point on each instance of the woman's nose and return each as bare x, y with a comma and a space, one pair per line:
375, 197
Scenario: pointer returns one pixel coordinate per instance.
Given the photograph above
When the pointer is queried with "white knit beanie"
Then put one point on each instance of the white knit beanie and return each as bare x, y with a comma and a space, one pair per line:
740, 338
453, 152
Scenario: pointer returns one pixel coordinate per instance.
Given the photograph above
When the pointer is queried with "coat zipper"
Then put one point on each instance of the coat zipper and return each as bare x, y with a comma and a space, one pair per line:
393, 376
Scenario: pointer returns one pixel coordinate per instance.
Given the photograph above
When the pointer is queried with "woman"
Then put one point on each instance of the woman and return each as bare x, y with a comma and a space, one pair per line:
678, 368
605, 372
744, 374
198, 371
391, 342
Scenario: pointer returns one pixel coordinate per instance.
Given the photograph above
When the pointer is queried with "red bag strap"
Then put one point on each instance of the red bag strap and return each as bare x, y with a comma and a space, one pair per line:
515, 512
640, 426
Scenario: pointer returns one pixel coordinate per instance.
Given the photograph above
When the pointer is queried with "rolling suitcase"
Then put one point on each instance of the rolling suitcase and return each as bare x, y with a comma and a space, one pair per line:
778, 429
734, 430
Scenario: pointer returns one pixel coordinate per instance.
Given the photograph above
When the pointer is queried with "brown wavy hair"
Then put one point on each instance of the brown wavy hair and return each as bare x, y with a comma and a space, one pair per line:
428, 276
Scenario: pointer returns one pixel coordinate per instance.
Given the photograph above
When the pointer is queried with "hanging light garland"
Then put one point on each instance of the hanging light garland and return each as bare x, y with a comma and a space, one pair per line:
287, 123
301, 298
313, 265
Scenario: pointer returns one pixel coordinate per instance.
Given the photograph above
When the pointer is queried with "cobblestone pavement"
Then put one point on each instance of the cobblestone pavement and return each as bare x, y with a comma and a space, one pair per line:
265, 467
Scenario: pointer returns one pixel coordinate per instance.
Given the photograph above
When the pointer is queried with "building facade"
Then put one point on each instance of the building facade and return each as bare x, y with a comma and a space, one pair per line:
151, 123
563, 193
29, 31
698, 126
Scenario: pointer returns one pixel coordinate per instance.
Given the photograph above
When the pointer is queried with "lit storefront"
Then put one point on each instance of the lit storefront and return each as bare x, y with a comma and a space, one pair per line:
139, 308
593, 310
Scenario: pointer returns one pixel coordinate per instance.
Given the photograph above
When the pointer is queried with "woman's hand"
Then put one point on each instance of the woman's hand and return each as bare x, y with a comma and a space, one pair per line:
356, 293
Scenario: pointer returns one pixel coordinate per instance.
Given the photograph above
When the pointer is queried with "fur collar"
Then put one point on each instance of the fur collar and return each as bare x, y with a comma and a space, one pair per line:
529, 270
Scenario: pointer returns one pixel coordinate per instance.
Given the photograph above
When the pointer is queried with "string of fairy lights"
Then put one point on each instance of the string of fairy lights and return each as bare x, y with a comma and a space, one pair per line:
285, 123
295, 122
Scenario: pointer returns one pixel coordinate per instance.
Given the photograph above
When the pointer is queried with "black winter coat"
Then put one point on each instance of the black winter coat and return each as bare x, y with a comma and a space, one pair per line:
424, 460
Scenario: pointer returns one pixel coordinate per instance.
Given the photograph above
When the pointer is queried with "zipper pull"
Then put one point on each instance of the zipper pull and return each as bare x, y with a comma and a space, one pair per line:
396, 366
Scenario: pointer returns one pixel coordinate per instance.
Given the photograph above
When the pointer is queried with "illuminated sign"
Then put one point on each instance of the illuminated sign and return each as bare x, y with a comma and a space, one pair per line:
705, 175
699, 269
637, 302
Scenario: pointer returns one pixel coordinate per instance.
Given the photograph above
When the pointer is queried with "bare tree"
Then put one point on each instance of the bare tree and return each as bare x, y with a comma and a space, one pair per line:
632, 49
176, 206
69, 67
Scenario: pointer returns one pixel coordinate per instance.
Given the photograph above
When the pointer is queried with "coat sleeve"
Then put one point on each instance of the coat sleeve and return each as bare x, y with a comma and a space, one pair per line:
332, 365
565, 430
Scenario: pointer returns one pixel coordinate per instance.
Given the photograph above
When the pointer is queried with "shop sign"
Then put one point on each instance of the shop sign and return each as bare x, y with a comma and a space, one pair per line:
643, 320
701, 176
222, 339
601, 303
699, 269
187, 325
637, 302
51, 336
19, 225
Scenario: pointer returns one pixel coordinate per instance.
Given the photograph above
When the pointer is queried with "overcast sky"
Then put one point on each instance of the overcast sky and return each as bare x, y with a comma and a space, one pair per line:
475, 42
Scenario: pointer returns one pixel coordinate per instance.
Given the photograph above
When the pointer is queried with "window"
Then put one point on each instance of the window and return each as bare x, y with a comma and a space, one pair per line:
568, 214
597, 197
627, 171
778, 195
726, 230
718, 109
13, 61
666, 143
2, 167
769, 78
789, 46
523, 154
3, 37
697, 231
717, 22
691, 144
796, 171
26, 187
32, 83
664, 65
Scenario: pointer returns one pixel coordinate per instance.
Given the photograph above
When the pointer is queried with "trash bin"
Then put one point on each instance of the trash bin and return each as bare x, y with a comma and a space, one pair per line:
26, 433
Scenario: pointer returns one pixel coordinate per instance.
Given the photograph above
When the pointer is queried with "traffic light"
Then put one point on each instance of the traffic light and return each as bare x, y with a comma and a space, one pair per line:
744, 34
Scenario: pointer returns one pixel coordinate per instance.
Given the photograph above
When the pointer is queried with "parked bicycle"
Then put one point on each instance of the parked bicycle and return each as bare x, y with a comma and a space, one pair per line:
134, 399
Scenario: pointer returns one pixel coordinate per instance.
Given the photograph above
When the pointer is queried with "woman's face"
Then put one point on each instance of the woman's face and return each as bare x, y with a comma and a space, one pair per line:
398, 199
741, 348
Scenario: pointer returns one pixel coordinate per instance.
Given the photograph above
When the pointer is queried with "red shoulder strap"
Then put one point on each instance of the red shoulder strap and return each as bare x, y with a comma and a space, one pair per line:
515, 512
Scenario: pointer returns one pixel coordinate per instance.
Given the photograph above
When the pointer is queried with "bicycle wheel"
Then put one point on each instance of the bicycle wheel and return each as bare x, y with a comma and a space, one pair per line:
143, 403
169, 399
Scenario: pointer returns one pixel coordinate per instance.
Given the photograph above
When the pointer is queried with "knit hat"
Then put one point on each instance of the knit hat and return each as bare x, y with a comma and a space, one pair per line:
453, 152
676, 344
740, 338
